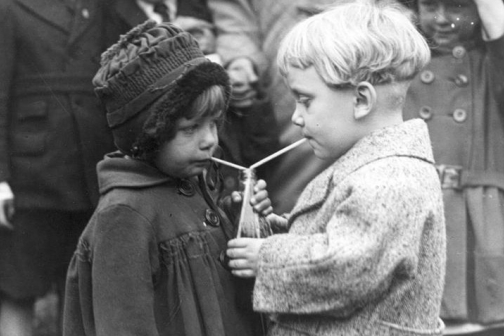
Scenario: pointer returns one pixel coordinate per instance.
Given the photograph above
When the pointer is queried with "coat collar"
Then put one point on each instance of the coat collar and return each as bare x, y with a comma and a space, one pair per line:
410, 138
129, 11
117, 171
87, 12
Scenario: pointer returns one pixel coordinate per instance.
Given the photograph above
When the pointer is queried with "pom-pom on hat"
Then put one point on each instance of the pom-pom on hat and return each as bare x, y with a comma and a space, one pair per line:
148, 80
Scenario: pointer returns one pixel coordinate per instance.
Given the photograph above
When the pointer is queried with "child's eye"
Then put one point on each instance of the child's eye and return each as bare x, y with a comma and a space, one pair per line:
190, 129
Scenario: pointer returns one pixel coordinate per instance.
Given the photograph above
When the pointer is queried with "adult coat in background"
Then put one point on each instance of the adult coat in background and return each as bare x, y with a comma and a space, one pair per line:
52, 128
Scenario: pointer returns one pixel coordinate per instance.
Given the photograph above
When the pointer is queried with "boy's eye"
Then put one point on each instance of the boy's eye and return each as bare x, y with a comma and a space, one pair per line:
305, 101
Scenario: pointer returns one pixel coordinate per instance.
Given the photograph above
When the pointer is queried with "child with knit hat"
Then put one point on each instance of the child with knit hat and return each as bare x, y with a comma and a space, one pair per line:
148, 261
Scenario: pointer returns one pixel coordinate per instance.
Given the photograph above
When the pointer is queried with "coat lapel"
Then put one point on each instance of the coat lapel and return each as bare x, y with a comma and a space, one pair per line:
58, 16
87, 13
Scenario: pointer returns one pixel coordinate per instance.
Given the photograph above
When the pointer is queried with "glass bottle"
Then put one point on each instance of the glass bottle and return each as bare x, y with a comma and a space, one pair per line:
251, 224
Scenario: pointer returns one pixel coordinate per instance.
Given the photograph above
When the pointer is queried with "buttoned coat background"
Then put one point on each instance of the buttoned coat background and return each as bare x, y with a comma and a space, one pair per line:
460, 95
52, 128
365, 251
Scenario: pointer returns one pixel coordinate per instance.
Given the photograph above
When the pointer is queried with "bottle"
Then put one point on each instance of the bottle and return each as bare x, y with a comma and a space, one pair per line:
251, 224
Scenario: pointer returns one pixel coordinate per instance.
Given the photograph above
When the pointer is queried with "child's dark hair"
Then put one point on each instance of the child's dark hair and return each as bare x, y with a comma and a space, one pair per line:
211, 102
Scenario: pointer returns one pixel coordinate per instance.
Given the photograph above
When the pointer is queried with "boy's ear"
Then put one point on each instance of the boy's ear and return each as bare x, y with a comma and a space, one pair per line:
364, 99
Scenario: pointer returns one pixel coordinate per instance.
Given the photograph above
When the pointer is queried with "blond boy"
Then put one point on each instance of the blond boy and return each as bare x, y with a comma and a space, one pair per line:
363, 251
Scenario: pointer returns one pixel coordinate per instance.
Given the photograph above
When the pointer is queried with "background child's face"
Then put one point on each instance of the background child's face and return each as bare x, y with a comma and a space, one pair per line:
448, 23
189, 152
325, 115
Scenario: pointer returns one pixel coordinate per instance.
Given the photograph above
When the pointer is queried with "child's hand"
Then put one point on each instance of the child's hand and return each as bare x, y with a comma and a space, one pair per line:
491, 13
243, 82
277, 223
6, 205
243, 254
260, 200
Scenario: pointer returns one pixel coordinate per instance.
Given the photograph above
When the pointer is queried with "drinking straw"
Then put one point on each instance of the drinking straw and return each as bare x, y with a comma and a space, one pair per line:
280, 152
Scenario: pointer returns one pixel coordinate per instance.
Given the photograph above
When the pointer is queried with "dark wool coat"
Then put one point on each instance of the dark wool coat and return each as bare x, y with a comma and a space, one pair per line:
52, 128
460, 94
365, 251
148, 261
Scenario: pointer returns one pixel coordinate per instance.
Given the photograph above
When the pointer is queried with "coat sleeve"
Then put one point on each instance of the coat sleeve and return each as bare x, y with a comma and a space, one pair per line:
495, 67
373, 235
238, 31
122, 281
7, 57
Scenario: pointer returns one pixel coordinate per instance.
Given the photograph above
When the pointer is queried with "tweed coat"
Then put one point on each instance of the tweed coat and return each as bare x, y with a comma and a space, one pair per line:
460, 95
365, 249
52, 128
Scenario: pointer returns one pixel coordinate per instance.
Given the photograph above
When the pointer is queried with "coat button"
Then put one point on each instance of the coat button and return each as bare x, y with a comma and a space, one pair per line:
427, 76
459, 115
458, 52
185, 188
461, 80
224, 260
85, 13
211, 218
425, 112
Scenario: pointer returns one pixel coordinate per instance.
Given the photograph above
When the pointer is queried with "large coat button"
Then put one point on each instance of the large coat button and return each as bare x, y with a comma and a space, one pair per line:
461, 80
427, 76
460, 115
212, 218
425, 112
458, 52
185, 188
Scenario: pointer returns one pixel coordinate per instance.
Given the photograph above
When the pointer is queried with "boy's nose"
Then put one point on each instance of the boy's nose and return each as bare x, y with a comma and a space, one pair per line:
297, 119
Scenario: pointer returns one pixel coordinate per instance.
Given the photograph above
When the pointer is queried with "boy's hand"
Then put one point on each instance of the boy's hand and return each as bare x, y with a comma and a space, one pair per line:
243, 254
6, 205
259, 201
277, 223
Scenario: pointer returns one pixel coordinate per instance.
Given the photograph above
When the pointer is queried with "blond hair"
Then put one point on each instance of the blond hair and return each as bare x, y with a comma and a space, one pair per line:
357, 41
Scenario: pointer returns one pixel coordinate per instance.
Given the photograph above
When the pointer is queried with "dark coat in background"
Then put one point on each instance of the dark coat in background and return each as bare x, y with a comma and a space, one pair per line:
52, 128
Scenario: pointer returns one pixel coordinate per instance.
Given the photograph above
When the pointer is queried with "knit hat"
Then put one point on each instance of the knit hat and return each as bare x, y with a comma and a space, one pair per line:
148, 80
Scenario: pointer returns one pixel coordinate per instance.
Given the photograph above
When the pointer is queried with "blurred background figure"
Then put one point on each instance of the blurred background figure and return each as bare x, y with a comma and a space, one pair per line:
460, 95
52, 133
288, 174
